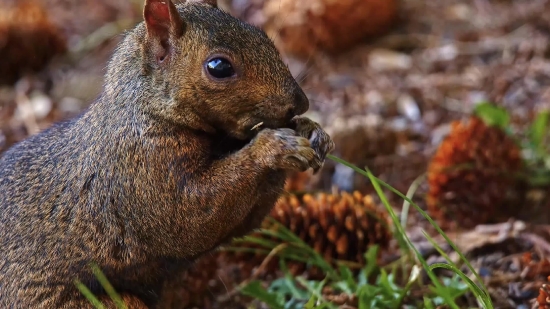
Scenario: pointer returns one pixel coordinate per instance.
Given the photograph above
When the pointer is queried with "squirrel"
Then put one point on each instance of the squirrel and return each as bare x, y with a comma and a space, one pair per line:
187, 146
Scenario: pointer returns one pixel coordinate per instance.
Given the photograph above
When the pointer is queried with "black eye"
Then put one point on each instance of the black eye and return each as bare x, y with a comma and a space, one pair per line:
220, 68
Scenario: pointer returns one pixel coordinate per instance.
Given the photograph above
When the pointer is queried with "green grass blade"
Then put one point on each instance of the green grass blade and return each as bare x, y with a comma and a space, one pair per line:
433, 277
400, 230
480, 295
422, 212
443, 234
410, 193
256, 290
311, 302
539, 129
492, 115
297, 249
428, 303
414, 275
257, 241
299, 245
478, 292
89, 295
348, 282
108, 287
371, 257
317, 291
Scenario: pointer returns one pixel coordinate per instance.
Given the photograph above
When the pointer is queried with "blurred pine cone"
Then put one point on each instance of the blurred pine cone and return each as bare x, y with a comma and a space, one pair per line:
337, 226
471, 175
304, 27
28, 40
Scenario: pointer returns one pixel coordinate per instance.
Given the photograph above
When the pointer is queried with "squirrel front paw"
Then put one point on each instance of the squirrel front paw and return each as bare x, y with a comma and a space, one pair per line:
320, 141
284, 149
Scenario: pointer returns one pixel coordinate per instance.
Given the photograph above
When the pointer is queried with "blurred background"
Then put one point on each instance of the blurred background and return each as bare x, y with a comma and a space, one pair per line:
406, 88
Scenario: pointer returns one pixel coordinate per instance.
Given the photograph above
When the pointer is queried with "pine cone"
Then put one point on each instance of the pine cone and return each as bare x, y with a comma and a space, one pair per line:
303, 27
337, 226
28, 40
471, 174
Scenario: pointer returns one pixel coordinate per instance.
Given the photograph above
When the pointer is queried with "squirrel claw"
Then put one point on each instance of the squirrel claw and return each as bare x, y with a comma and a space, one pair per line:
299, 162
320, 141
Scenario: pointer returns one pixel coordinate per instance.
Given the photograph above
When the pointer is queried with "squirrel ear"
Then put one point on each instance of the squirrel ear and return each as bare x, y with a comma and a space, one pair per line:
162, 21
213, 3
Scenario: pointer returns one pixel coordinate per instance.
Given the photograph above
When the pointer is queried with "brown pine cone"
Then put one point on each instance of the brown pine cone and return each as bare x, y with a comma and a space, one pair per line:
28, 40
337, 226
471, 175
304, 27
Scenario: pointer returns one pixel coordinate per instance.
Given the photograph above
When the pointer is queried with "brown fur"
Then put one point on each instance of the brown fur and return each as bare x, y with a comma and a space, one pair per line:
161, 169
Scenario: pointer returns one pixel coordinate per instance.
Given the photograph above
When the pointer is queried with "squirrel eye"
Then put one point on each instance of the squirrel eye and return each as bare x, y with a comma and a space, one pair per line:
220, 68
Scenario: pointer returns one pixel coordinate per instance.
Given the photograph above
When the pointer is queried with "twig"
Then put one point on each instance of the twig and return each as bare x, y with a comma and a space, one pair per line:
537, 241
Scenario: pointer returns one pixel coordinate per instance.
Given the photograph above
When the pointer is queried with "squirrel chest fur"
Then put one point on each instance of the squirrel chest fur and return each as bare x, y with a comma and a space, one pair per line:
166, 164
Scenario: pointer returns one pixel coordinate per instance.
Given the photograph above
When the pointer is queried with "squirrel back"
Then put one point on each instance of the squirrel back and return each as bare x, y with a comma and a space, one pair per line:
166, 164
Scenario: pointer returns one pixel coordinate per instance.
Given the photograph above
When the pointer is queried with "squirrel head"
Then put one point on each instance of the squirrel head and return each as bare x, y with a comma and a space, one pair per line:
215, 71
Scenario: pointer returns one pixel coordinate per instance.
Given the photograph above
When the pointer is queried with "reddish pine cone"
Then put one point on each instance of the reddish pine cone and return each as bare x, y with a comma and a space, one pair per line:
471, 174
28, 40
304, 27
337, 226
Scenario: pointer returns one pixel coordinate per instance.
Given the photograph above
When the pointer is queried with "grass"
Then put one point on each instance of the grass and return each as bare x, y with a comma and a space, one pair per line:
105, 284
373, 286
385, 291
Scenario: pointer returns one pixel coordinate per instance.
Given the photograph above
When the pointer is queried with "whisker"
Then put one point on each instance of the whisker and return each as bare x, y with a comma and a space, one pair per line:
304, 74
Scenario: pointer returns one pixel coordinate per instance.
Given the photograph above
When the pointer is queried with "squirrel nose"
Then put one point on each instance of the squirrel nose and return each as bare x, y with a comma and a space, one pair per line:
301, 102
